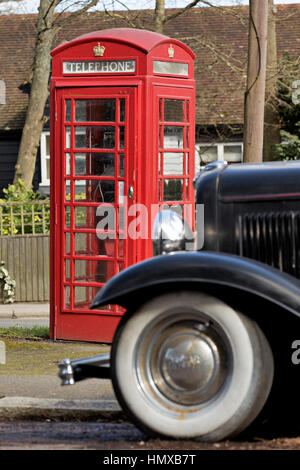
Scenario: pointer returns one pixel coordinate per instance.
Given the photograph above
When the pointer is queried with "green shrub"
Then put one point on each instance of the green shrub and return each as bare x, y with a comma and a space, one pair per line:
289, 149
23, 218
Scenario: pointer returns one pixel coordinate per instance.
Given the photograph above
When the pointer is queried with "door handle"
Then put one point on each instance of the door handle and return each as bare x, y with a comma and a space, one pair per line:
130, 192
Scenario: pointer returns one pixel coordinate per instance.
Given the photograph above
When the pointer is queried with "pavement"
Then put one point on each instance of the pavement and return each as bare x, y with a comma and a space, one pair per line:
29, 385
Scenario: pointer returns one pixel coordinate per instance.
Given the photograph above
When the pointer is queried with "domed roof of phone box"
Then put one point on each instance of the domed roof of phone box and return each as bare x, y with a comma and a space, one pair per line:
137, 38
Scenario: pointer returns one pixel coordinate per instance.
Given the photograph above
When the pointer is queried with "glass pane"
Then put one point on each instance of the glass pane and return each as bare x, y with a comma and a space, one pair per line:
67, 270
208, 153
187, 163
173, 137
122, 137
173, 110
83, 217
94, 164
173, 163
121, 222
233, 153
68, 137
82, 163
67, 297
68, 243
83, 297
68, 217
121, 248
122, 109
95, 110
188, 110
84, 244
121, 192
95, 191
122, 163
173, 190
160, 109
160, 143
68, 110
68, 164
95, 137
121, 266
100, 218
93, 271
106, 191
67, 190
88, 244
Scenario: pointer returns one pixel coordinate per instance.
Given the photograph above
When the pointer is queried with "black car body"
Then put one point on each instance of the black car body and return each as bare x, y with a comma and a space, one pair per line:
253, 211
208, 344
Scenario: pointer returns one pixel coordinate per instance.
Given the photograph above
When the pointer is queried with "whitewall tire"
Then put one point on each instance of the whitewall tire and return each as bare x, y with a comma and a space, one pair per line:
186, 365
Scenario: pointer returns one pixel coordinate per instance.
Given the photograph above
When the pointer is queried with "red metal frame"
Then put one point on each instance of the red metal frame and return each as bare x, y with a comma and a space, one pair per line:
186, 97
143, 92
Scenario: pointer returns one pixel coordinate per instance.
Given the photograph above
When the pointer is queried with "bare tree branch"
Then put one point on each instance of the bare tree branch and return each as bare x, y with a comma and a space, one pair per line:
183, 10
115, 16
59, 24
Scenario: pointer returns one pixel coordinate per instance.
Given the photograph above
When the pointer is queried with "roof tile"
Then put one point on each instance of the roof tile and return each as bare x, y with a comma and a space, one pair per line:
218, 36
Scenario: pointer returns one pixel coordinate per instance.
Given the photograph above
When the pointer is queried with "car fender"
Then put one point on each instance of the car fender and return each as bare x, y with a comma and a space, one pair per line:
194, 269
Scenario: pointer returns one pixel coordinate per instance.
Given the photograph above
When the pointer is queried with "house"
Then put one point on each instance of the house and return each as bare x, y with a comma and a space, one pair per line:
219, 38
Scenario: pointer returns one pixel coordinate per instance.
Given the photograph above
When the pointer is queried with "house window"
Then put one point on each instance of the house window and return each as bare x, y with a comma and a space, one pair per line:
45, 158
206, 153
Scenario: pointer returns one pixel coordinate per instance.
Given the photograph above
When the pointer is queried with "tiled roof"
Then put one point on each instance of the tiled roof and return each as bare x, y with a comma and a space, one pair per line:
218, 36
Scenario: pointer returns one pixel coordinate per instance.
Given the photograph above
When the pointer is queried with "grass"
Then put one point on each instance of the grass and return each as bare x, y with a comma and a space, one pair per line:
37, 332
40, 356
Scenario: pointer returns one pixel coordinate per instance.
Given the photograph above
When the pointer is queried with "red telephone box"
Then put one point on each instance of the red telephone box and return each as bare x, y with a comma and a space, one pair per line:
122, 146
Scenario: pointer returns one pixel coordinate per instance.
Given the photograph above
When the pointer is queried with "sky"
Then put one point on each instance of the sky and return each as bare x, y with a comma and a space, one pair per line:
31, 6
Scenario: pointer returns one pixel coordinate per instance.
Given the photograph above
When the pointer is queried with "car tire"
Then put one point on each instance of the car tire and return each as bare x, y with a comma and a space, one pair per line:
187, 365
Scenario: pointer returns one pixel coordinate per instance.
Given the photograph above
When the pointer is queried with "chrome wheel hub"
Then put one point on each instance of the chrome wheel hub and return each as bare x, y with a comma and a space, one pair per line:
185, 362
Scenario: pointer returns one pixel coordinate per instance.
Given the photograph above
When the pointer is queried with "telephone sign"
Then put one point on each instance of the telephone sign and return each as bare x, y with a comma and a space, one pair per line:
112, 66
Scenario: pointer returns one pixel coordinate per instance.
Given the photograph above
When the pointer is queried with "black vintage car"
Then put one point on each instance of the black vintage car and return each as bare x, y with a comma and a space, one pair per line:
210, 341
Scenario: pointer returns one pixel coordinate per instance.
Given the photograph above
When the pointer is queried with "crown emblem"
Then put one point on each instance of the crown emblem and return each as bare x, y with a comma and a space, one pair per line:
171, 51
98, 50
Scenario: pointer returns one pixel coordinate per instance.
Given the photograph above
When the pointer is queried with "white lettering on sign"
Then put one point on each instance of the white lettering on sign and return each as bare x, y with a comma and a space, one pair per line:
103, 66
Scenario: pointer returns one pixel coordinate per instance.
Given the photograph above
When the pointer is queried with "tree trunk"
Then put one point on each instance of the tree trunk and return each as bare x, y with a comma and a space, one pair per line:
159, 16
255, 94
272, 118
38, 95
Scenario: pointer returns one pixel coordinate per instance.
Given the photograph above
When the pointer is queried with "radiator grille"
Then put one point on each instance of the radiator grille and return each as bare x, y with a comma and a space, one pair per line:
271, 238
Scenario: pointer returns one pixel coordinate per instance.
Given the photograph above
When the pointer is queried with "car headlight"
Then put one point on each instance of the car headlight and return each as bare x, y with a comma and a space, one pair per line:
170, 233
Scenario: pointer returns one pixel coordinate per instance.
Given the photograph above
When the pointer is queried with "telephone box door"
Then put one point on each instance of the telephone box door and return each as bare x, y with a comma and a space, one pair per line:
97, 161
